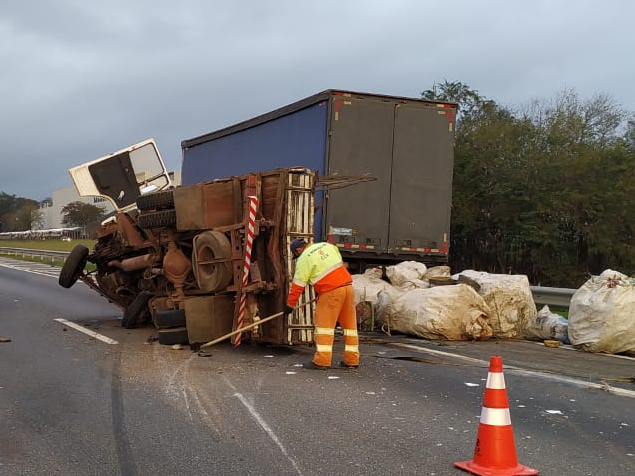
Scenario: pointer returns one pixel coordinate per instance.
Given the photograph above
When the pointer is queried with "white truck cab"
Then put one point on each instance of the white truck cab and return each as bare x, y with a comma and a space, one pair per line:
123, 176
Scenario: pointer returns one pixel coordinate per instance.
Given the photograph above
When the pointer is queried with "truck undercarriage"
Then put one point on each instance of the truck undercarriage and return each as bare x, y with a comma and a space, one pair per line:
202, 260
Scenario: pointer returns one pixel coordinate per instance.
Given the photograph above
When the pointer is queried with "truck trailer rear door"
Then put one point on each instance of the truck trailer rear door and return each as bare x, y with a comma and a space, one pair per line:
360, 143
421, 183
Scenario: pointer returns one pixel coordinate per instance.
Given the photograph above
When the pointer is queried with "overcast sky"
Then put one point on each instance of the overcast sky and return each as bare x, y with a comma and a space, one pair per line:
80, 79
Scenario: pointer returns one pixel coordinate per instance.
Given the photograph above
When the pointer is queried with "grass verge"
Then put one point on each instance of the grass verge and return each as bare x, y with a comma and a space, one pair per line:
48, 245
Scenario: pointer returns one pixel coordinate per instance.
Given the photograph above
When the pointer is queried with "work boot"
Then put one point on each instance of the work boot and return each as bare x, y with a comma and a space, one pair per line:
348, 366
313, 366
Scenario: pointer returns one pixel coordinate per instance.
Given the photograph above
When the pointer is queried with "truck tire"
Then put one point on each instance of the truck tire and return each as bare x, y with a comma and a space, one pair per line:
470, 282
213, 245
441, 281
137, 312
163, 218
73, 266
176, 335
169, 318
156, 201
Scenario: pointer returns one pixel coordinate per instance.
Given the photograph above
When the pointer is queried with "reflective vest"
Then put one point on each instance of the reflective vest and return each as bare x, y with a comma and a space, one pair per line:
320, 265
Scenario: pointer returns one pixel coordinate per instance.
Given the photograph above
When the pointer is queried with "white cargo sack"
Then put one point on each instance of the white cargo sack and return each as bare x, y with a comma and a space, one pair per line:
548, 326
405, 272
367, 286
602, 314
441, 271
454, 312
370, 287
509, 299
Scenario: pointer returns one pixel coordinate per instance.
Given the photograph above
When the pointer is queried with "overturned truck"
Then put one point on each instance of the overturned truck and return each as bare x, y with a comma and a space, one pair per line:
198, 261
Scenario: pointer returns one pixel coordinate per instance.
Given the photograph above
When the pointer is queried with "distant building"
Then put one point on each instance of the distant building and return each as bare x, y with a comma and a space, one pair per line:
52, 208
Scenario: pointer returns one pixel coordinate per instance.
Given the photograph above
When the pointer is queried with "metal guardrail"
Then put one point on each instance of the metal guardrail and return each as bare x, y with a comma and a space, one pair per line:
560, 297
32, 253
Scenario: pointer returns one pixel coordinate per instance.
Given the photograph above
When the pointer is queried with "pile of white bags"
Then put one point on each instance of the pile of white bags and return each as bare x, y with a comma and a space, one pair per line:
408, 304
602, 314
503, 306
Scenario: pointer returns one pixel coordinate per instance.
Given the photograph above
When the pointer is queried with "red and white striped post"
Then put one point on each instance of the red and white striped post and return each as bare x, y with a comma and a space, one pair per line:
249, 241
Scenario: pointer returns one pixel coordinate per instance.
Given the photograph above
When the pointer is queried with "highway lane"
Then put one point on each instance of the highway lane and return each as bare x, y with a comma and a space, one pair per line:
71, 404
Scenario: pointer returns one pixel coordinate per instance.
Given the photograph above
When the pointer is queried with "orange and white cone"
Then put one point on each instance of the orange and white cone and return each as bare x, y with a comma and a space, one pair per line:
495, 450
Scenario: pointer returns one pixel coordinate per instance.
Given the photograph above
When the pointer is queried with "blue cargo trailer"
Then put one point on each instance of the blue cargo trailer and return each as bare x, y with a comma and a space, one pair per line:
405, 144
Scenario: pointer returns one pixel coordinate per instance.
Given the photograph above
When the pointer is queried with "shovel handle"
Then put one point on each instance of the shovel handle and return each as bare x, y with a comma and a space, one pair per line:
252, 325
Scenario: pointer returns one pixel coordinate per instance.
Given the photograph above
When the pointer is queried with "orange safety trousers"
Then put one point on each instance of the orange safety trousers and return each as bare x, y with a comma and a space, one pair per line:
333, 306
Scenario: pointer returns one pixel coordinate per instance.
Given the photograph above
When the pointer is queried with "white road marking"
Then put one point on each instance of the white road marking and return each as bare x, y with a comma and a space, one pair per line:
51, 272
570, 380
93, 334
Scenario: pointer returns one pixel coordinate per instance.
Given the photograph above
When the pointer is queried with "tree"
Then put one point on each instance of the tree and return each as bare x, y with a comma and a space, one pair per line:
37, 218
84, 215
16, 212
472, 105
485, 153
546, 192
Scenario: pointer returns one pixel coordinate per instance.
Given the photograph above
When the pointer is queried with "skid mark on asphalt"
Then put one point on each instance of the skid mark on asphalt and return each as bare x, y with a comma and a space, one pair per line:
179, 387
120, 432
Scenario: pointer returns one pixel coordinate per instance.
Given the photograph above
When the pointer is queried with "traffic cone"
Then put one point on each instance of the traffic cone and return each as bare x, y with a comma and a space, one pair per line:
495, 451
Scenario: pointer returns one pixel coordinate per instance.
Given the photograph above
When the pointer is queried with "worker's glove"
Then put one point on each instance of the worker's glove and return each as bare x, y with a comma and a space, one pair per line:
287, 310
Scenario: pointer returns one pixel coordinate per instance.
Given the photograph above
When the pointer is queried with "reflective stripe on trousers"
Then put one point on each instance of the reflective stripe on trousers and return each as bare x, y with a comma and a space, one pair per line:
333, 306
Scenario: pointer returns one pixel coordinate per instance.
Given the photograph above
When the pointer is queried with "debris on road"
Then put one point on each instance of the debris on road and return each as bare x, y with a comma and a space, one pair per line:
551, 343
548, 326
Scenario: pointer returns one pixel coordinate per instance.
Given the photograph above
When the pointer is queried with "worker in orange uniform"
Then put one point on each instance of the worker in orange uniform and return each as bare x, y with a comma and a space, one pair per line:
320, 264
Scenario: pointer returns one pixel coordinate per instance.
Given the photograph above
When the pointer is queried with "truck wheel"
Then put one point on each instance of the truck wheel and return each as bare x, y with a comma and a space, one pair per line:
170, 318
163, 218
156, 201
137, 311
73, 266
176, 335
210, 274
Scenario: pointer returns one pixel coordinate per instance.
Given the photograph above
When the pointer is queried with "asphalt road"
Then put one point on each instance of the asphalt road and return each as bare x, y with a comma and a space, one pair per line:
72, 404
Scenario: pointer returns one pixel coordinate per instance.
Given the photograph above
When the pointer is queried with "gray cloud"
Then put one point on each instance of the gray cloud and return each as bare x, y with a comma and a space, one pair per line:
83, 79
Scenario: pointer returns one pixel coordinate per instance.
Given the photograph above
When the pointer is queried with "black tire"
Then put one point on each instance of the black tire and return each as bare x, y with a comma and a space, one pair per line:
156, 201
441, 281
137, 312
164, 218
169, 318
212, 276
176, 335
470, 282
73, 266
